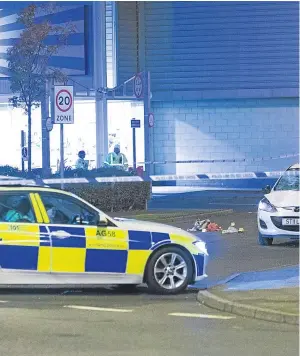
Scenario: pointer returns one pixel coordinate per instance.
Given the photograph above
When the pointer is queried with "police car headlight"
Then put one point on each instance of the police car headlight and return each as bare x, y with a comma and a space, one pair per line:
201, 246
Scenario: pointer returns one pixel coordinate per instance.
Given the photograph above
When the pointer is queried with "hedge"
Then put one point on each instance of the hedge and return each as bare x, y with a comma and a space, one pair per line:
113, 197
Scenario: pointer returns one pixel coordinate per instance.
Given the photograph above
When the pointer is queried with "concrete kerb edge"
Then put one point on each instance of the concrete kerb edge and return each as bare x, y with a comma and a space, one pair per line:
224, 305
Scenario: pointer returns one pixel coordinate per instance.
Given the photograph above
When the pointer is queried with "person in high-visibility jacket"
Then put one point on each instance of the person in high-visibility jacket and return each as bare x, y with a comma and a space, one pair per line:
117, 159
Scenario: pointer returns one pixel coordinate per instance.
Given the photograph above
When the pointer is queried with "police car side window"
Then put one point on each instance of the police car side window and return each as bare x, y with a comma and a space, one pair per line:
16, 208
62, 210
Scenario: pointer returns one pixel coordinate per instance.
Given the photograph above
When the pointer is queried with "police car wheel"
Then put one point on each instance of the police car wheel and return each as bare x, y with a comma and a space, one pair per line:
169, 271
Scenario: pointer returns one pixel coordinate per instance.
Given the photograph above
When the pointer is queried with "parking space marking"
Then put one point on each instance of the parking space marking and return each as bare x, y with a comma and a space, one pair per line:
113, 310
204, 316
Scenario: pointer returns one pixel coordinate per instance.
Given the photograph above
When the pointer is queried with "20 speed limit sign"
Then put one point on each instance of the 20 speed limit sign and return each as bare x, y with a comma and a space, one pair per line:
64, 104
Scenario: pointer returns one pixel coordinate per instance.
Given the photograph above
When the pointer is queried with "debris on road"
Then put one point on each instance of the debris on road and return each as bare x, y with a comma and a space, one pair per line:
232, 229
199, 225
213, 227
205, 226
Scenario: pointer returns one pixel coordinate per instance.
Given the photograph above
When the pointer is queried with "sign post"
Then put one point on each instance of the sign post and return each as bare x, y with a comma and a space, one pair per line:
62, 154
63, 114
135, 124
23, 148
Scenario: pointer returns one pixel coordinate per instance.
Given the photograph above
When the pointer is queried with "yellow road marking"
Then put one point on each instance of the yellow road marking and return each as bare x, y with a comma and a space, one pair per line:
81, 307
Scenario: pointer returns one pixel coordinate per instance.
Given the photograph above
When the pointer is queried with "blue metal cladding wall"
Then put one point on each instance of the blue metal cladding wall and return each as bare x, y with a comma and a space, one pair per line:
126, 40
110, 43
205, 50
73, 58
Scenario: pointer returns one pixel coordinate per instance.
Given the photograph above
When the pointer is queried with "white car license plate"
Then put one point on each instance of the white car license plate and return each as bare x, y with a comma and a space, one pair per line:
290, 222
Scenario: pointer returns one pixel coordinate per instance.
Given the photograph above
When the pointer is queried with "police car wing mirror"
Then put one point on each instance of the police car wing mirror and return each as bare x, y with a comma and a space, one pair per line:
102, 221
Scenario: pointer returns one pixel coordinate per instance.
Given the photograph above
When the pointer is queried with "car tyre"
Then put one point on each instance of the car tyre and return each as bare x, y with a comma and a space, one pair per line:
157, 271
264, 241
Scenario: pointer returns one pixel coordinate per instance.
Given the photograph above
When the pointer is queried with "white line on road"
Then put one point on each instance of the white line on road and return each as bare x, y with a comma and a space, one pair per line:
113, 310
3, 301
205, 316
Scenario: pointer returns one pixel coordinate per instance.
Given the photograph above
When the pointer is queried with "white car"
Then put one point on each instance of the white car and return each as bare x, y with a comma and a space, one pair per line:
278, 212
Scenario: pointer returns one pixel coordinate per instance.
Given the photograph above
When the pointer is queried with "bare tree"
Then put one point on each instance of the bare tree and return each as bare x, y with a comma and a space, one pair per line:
28, 59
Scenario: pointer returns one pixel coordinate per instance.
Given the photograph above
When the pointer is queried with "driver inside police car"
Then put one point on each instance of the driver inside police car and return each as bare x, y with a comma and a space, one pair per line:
22, 212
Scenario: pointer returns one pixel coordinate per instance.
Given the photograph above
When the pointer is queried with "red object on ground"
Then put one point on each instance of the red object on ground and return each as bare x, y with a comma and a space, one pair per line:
213, 227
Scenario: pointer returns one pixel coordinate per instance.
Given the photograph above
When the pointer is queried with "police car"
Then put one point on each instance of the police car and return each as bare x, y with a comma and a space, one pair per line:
50, 237
278, 212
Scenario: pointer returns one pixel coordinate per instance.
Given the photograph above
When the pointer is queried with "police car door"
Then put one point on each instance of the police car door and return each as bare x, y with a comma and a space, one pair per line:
79, 246
21, 248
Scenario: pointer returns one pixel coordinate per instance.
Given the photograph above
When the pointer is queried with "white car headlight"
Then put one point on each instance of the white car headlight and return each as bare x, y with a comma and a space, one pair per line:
201, 246
265, 205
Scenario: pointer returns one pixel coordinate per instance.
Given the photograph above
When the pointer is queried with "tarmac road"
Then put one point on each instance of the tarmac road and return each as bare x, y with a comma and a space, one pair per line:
133, 325
236, 253
139, 323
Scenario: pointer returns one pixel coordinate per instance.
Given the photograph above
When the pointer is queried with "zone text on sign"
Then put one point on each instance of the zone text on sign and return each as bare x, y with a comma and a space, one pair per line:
64, 118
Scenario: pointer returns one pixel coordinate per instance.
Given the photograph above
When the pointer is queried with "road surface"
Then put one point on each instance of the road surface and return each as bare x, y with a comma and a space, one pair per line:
106, 322
111, 324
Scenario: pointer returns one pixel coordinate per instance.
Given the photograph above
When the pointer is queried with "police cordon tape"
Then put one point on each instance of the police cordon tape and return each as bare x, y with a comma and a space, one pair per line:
195, 177
155, 178
5, 180
232, 160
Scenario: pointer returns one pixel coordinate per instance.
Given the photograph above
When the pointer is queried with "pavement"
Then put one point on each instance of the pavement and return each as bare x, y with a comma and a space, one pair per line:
271, 295
204, 198
229, 184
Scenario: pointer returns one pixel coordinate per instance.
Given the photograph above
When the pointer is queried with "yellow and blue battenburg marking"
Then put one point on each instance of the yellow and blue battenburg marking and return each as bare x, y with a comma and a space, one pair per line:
138, 252
19, 246
106, 250
87, 249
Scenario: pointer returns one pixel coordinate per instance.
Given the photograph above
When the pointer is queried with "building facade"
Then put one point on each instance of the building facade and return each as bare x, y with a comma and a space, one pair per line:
224, 80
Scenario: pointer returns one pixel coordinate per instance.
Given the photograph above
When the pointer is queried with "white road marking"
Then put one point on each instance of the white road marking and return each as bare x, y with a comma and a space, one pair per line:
204, 316
113, 310
3, 301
